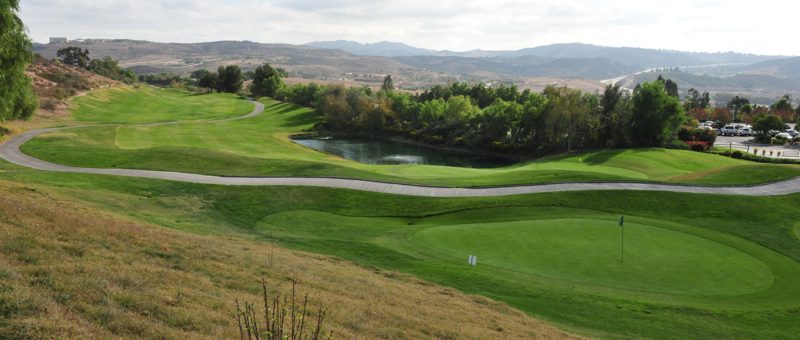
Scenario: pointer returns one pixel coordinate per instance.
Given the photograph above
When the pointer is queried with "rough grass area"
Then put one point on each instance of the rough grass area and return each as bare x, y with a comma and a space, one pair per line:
69, 270
260, 147
378, 231
145, 104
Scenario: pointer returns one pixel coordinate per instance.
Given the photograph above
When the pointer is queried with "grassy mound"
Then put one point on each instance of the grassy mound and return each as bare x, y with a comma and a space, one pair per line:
128, 105
260, 147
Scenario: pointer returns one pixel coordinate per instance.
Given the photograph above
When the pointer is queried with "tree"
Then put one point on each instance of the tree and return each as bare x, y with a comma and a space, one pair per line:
17, 100
74, 56
199, 74
109, 68
672, 88
209, 81
784, 109
266, 81
388, 84
763, 124
229, 79
695, 100
611, 105
656, 116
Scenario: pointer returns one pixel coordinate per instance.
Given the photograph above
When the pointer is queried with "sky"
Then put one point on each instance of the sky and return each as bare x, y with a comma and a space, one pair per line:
760, 27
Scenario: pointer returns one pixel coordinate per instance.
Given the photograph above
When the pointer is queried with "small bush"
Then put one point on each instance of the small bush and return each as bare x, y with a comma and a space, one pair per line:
678, 144
779, 140
737, 154
698, 146
49, 104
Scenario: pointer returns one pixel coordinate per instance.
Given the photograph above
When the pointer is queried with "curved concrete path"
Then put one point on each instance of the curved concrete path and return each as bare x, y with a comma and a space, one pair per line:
10, 151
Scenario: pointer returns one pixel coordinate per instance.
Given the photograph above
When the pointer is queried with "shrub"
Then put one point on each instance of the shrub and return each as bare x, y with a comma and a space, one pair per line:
285, 317
737, 154
778, 140
678, 144
698, 146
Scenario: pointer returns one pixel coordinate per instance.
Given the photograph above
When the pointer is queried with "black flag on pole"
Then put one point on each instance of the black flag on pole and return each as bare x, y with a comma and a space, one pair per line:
621, 220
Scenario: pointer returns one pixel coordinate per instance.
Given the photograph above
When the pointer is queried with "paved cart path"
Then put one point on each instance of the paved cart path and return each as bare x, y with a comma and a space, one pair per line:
10, 151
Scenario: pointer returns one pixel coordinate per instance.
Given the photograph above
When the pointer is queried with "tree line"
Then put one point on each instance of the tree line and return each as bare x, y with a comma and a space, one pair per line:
502, 118
106, 67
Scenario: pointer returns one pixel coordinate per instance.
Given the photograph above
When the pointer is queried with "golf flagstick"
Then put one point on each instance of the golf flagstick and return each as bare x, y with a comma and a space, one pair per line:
622, 239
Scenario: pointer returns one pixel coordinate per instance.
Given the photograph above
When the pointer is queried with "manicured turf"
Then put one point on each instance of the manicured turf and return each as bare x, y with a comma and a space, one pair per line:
149, 105
260, 147
697, 266
384, 231
589, 251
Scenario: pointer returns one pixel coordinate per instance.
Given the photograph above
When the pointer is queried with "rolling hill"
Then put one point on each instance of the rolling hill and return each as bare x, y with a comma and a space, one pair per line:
414, 68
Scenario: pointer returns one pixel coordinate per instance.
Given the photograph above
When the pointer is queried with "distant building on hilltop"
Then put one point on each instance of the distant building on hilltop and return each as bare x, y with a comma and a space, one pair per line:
58, 40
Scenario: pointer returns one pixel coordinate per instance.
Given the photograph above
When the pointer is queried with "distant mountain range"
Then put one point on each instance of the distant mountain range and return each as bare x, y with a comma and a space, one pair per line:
412, 67
633, 57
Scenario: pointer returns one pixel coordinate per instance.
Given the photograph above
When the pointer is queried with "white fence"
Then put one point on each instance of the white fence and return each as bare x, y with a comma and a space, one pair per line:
763, 150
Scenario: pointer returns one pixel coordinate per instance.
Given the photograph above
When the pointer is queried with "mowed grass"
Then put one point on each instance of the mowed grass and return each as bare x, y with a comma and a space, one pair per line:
260, 147
383, 232
71, 270
146, 104
591, 251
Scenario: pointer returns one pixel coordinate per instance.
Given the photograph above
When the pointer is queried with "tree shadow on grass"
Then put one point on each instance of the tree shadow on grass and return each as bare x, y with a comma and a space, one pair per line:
602, 156
301, 119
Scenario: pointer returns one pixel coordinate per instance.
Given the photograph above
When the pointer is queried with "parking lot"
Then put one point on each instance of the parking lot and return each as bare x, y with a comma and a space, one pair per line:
745, 144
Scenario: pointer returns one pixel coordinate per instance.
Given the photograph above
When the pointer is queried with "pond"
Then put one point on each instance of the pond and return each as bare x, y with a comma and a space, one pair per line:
373, 151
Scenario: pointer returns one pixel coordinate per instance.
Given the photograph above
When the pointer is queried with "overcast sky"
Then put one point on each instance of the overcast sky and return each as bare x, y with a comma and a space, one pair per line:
763, 26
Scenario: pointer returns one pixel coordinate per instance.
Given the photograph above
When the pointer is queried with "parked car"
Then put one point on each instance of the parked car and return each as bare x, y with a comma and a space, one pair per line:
792, 132
728, 130
784, 135
745, 131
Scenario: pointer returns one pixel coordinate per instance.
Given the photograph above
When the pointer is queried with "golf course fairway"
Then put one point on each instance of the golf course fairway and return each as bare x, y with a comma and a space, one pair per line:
260, 146
695, 265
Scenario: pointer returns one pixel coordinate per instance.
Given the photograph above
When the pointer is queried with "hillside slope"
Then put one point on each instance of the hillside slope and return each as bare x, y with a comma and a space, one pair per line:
55, 82
69, 270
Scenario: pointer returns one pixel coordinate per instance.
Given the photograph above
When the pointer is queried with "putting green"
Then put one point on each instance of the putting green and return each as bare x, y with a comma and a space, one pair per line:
797, 230
588, 251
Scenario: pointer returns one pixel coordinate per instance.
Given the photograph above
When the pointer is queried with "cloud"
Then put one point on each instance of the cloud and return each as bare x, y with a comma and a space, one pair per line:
705, 25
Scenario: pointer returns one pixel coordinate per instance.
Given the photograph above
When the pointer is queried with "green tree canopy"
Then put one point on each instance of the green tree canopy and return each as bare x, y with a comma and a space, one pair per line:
388, 83
266, 81
229, 79
656, 115
763, 124
783, 104
17, 100
199, 74
109, 68
74, 56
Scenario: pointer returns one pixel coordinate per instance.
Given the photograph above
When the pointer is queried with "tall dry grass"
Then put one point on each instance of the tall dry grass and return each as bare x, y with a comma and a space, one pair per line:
68, 270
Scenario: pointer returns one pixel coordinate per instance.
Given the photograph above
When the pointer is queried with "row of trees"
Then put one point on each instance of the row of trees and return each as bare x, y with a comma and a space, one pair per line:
497, 118
17, 100
738, 109
556, 120
106, 67
227, 79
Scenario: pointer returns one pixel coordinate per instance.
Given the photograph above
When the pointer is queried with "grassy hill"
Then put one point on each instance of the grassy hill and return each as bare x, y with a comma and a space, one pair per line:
260, 147
69, 269
569, 284
695, 266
